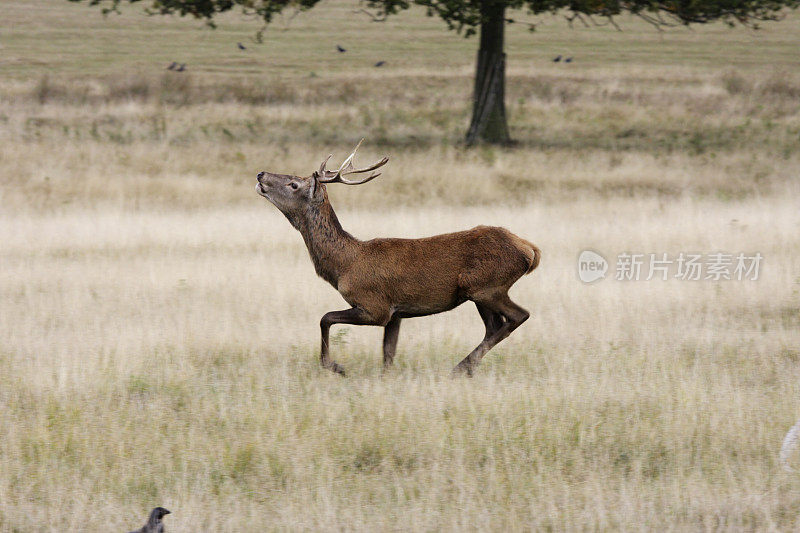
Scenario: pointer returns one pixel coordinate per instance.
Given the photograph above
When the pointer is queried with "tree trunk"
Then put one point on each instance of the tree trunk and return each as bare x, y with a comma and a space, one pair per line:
489, 108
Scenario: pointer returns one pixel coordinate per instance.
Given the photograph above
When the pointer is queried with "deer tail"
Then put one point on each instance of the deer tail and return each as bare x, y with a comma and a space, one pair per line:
532, 253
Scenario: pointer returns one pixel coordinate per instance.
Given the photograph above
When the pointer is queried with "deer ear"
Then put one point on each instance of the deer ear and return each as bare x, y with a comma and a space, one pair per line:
314, 187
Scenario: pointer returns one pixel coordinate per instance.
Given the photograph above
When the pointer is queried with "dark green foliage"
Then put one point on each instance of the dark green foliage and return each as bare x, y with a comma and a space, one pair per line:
464, 16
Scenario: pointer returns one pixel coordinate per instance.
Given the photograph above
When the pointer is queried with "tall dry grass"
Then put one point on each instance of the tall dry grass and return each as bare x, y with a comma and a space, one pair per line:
170, 358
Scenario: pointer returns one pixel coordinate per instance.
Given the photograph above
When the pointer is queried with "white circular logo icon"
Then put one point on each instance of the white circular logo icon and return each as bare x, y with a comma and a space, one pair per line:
591, 266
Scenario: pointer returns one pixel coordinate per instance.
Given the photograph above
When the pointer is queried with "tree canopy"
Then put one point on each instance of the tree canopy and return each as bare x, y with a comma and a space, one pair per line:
465, 16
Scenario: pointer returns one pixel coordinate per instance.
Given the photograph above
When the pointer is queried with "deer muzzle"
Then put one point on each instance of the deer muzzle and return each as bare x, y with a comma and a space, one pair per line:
259, 184
260, 188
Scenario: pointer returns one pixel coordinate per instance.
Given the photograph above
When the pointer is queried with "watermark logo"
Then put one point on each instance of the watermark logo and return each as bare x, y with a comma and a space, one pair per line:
632, 266
591, 266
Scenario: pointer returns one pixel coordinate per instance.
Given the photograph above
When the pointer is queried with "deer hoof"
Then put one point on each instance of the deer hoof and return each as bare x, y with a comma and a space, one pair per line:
462, 369
336, 368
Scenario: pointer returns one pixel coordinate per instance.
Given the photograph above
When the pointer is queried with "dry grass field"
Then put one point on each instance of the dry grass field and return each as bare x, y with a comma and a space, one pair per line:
159, 320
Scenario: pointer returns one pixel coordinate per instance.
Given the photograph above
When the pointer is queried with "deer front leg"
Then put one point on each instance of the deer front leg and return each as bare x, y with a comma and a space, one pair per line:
390, 333
354, 316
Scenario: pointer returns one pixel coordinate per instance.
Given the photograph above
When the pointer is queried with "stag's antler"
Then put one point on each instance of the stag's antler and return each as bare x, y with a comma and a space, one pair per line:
335, 176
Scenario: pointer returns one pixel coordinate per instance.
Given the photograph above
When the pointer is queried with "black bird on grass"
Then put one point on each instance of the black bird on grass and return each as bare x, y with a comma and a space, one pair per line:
380, 63
568, 60
241, 46
339, 47
557, 59
181, 67
172, 66
154, 524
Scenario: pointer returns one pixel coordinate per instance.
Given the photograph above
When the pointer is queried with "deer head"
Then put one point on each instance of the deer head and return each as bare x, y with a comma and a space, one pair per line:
292, 193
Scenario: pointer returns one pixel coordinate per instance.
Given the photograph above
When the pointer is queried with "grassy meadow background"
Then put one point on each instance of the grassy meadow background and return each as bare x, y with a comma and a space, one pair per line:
159, 320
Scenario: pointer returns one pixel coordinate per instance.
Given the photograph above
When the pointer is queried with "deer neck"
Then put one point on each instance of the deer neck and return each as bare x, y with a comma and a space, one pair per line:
331, 248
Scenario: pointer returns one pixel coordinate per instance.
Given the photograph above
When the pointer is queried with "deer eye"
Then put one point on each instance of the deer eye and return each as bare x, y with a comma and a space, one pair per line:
294, 185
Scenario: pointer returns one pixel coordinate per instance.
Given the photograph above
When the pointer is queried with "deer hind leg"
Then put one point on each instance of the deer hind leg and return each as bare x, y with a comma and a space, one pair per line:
355, 316
492, 320
390, 334
501, 316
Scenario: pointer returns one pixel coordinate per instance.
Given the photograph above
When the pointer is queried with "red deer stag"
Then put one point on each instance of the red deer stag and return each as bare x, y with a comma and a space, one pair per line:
387, 280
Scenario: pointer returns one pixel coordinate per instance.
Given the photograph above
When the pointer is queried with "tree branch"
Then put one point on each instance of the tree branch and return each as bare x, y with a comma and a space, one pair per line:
380, 17
576, 15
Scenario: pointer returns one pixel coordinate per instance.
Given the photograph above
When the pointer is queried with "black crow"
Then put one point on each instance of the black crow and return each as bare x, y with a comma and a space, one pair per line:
557, 59
154, 524
339, 47
172, 66
380, 63
241, 46
568, 60
181, 67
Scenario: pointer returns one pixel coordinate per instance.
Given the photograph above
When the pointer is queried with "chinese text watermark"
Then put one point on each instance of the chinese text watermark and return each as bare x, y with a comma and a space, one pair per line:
631, 266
